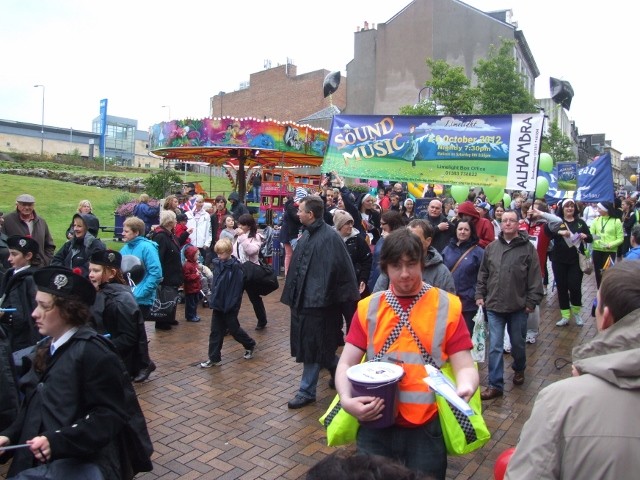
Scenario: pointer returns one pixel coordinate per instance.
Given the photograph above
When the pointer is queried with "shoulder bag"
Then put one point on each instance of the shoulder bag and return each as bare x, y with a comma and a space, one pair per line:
586, 262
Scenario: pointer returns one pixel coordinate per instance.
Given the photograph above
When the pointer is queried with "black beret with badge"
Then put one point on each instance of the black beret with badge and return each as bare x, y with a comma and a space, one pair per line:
63, 282
108, 258
23, 244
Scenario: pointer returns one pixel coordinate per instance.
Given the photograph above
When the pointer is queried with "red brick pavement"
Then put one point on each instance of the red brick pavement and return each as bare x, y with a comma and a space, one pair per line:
232, 421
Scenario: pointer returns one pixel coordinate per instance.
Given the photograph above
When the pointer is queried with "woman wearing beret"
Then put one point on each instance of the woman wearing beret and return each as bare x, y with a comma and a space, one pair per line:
116, 313
78, 403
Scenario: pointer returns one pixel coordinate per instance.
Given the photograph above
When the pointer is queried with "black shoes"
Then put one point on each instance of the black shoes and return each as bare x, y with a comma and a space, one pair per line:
163, 326
299, 402
144, 373
260, 327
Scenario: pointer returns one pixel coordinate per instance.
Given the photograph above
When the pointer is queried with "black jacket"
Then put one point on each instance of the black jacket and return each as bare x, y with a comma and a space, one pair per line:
19, 292
361, 256
81, 402
169, 253
321, 272
440, 238
237, 207
77, 252
115, 312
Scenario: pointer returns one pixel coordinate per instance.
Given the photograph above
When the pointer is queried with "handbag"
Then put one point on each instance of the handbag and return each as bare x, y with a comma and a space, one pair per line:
478, 337
462, 434
261, 277
586, 262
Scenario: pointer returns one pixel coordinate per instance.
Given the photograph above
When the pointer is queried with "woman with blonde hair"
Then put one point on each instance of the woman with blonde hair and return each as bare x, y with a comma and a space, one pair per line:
84, 207
172, 204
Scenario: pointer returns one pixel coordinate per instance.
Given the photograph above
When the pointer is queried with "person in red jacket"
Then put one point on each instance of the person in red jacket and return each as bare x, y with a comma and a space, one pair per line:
484, 228
191, 273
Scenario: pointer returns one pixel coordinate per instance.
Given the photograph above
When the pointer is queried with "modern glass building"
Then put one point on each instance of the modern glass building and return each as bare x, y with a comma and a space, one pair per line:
120, 139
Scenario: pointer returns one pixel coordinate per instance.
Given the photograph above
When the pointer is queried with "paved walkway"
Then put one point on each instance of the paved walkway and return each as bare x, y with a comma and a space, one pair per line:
232, 421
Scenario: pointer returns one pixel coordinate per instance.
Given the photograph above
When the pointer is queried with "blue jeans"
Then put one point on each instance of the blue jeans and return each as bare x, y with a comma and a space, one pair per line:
309, 381
516, 323
191, 305
420, 449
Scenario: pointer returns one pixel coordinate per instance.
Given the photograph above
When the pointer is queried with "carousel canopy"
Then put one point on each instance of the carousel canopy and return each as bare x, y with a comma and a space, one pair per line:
251, 141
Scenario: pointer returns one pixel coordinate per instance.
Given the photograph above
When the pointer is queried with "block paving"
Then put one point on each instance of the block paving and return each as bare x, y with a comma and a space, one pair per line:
232, 422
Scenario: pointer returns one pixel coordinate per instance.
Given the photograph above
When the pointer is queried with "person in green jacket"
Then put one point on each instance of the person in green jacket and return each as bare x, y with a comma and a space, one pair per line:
607, 237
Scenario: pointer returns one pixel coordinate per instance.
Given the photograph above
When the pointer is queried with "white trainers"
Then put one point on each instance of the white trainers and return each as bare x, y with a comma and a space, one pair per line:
248, 353
562, 322
579, 320
209, 364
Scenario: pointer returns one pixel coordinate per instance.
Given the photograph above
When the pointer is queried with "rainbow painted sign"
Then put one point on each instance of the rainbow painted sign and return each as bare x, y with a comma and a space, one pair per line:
241, 133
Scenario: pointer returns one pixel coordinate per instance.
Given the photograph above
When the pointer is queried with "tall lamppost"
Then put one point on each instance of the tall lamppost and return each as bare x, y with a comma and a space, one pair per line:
42, 127
168, 107
420, 94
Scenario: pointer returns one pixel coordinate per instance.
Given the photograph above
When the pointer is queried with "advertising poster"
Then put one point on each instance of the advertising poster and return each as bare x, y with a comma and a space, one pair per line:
493, 150
567, 175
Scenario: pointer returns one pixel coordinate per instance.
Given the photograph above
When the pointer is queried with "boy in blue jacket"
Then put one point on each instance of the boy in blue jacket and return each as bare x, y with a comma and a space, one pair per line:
226, 297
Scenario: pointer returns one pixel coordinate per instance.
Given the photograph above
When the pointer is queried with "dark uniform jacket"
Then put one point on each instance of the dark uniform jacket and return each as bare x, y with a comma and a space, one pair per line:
19, 291
116, 313
81, 402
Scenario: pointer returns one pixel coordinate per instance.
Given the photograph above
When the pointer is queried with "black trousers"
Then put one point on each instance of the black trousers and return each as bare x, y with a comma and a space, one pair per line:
219, 323
258, 306
569, 283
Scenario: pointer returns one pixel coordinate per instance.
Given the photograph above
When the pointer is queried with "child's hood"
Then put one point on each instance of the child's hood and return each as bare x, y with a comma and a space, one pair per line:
191, 253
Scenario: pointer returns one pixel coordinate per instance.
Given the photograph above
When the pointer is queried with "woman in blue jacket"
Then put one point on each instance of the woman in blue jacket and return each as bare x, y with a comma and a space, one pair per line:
147, 251
463, 257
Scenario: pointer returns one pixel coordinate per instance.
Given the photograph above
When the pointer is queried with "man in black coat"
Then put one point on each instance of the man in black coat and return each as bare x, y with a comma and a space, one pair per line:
320, 279
444, 229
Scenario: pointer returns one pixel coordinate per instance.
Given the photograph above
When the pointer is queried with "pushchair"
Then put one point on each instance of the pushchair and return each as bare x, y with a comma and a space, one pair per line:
206, 275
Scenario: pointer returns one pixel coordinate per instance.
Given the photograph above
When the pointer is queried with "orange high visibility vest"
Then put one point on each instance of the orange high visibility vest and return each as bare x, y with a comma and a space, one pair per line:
434, 318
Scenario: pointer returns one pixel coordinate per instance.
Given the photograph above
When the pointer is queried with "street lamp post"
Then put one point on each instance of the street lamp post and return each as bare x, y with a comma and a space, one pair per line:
42, 127
420, 94
168, 107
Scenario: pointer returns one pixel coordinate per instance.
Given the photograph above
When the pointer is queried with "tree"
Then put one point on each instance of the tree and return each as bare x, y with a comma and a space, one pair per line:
558, 145
451, 92
500, 86
159, 185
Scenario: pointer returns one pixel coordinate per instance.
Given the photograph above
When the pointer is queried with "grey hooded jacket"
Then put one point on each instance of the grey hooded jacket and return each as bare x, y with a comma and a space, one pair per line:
587, 426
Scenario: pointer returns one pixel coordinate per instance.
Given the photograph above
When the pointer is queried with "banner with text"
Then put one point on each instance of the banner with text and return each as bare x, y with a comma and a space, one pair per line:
594, 182
488, 150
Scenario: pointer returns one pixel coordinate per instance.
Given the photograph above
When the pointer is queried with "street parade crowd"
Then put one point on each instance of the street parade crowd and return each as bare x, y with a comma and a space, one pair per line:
366, 276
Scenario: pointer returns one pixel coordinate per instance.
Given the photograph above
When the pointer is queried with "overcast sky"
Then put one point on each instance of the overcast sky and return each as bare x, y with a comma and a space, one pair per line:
141, 55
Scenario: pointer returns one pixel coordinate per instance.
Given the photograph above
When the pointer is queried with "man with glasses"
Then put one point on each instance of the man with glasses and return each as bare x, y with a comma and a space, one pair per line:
509, 288
25, 222
319, 281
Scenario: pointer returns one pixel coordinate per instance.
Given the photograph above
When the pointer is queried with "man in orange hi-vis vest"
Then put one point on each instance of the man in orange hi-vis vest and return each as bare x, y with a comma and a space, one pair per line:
412, 323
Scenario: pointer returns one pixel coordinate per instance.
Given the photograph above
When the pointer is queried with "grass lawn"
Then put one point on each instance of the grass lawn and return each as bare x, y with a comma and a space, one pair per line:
57, 201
